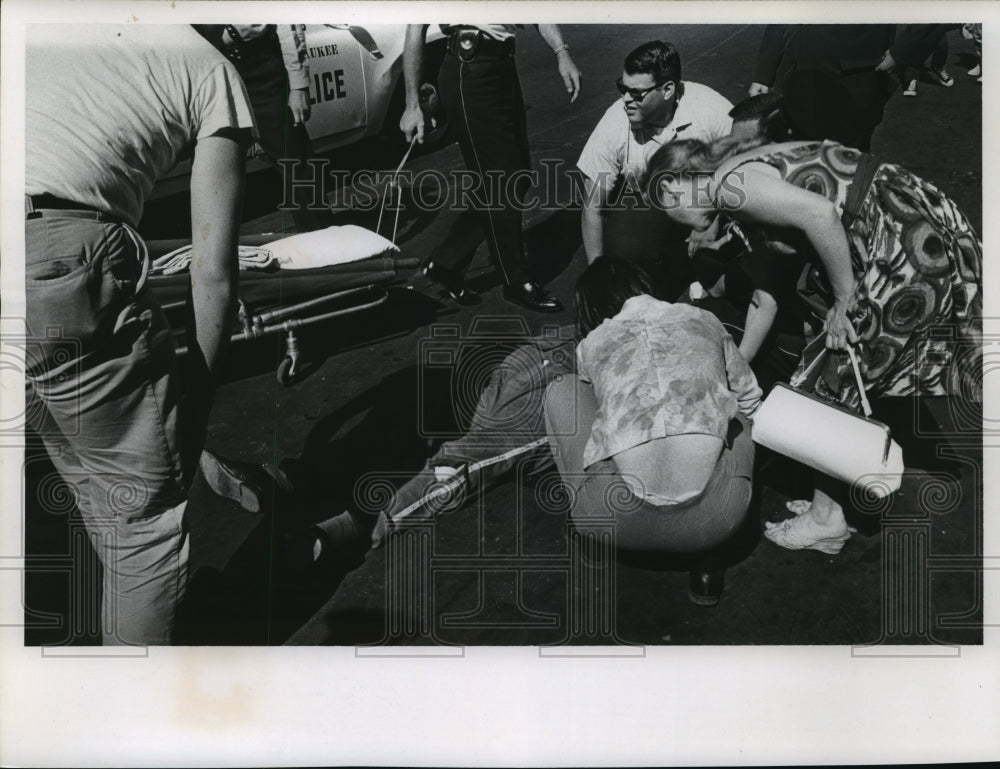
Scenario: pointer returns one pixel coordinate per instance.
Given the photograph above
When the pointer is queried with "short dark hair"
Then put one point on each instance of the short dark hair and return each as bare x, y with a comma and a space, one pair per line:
767, 112
605, 286
656, 58
756, 107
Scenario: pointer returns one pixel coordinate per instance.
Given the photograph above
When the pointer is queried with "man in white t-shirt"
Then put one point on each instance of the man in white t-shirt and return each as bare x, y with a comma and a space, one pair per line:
109, 110
656, 107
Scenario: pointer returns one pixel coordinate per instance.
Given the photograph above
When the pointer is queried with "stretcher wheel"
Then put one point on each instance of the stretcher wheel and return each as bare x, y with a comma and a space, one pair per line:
287, 375
290, 372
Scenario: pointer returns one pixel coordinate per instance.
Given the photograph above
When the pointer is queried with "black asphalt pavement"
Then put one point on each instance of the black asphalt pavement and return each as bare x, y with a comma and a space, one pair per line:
502, 569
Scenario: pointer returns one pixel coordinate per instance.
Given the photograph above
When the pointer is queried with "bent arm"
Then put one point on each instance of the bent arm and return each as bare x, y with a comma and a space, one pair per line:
767, 200
742, 382
591, 219
763, 199
760, 317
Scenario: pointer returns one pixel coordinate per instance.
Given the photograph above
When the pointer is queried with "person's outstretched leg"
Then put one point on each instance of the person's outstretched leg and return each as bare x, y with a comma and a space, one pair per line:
507, 428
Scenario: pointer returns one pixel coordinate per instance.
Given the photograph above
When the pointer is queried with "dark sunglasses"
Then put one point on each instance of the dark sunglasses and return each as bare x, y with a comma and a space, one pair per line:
636, 94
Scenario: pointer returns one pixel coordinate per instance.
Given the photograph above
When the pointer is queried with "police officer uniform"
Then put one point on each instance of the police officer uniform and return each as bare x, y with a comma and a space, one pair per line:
481, 94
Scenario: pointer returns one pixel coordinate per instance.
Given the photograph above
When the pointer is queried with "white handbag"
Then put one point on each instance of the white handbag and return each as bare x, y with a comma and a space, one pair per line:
831, 438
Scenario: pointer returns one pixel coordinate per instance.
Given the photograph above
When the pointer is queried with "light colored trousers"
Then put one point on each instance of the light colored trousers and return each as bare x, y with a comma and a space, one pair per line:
102, 393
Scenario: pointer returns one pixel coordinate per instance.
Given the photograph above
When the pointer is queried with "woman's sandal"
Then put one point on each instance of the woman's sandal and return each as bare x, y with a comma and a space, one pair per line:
803, 534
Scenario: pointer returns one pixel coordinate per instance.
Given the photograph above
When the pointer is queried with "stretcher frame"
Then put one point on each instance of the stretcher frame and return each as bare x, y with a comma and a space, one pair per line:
258, 322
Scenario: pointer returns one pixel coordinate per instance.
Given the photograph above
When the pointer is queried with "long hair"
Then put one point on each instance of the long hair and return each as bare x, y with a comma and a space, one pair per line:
605, 286
688, 157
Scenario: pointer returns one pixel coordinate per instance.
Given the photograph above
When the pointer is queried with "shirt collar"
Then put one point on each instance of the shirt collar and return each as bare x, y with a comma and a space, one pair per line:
680, 122
638, 306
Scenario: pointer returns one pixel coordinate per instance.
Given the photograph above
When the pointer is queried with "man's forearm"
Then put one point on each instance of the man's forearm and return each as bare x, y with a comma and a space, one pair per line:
552, 35
413, 63
216, 205
592, 229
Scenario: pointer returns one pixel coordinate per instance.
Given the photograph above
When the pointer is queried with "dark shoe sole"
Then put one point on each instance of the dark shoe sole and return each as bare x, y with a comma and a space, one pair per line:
226, 483
451, 283
704, 600
534, 307
466, 298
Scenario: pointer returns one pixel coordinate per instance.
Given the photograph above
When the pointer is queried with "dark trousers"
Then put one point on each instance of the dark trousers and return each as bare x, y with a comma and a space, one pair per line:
263, 72
870, 90
485, 108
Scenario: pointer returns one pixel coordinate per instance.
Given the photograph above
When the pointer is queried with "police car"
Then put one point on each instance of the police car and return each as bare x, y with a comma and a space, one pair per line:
356, 87
355, 91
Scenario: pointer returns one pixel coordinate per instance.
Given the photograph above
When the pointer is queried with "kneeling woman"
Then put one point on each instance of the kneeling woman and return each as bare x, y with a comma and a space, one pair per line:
653, 430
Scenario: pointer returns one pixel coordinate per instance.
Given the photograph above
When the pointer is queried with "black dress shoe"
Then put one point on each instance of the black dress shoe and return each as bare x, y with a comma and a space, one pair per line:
452, 282
310, 549
705, 587
248, 485
532, 297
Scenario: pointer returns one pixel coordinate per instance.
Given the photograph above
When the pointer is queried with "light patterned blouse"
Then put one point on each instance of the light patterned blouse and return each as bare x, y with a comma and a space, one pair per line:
661, 369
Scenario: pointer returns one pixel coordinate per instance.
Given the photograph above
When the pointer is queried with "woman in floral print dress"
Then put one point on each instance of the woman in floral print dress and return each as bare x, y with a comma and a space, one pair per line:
901, 264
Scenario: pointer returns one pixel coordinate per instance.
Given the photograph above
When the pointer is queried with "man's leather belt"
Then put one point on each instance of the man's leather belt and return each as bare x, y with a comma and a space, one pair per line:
47, 201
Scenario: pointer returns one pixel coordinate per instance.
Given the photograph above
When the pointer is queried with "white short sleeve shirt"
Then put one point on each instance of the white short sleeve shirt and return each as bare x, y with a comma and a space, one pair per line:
110, 109
616, 148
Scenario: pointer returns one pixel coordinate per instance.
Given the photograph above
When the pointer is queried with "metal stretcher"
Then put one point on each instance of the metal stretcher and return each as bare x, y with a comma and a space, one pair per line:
283, 301
286, 300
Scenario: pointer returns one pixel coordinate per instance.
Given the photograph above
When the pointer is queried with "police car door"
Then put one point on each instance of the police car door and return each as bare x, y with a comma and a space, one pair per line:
336, 86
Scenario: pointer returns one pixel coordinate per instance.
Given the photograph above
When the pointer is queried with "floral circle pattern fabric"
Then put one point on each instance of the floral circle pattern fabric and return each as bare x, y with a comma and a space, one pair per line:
918, 266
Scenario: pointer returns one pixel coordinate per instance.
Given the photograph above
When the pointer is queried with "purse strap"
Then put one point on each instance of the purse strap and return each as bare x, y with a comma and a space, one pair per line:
864, 175
865, 405
819, 357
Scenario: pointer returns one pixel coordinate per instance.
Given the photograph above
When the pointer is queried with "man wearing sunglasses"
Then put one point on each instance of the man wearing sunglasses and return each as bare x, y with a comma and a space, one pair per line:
656, 107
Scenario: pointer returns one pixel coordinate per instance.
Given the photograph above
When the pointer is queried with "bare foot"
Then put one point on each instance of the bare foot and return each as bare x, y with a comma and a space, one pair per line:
818, 525
826, 511
798, 506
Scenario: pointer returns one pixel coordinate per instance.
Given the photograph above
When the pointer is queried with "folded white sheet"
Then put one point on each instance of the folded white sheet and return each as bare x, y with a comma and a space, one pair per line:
333, 245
